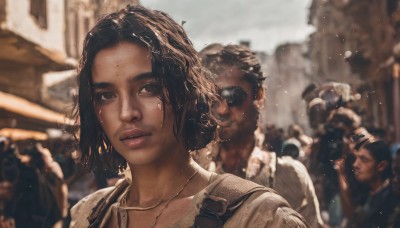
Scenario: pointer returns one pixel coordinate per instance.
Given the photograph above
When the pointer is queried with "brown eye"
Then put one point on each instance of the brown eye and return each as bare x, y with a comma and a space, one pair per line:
151, 89
102, 97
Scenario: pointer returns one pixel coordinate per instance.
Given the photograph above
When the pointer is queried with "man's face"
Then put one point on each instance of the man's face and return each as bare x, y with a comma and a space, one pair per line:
237, 113
365, 166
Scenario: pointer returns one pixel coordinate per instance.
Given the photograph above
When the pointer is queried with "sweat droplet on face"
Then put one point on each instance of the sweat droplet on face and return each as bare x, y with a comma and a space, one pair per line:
100, 119
160, 108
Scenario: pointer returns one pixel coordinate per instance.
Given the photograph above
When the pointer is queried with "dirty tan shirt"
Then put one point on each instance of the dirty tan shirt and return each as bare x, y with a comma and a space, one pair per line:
285, 175
259, 210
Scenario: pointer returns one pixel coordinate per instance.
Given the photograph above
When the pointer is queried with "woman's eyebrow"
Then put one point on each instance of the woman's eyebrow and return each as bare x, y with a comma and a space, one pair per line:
101, 85
139, 77
142, 76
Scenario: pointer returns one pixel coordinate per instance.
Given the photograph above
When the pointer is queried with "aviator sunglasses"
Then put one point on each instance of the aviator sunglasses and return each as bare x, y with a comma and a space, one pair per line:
234, 96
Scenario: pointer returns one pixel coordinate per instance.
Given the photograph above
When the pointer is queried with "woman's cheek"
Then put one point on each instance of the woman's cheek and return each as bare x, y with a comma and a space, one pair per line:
99, 113
158, 111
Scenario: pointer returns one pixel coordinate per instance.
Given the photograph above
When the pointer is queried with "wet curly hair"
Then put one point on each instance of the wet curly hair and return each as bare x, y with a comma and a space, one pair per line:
176, 67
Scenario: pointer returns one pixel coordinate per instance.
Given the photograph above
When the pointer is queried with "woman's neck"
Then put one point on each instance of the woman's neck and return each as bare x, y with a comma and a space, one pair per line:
159, 181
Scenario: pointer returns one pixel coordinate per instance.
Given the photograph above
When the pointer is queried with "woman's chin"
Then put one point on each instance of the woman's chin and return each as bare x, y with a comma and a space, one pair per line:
141, 159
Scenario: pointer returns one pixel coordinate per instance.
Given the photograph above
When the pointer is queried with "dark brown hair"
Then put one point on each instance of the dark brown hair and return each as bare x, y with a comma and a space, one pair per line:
175, 65
380, 151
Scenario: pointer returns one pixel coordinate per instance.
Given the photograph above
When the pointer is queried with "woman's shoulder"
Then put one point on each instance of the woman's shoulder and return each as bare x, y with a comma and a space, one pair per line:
92, 198
262, 208
81, 211
266, 209
100, 199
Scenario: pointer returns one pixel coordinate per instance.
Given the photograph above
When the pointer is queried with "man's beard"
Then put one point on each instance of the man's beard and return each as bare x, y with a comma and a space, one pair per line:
234, 134
237, 130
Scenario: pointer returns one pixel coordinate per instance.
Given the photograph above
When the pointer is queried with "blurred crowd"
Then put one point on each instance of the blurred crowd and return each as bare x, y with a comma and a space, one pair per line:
355, 171
38, 188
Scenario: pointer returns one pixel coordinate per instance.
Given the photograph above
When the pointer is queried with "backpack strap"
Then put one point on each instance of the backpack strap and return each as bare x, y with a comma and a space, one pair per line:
223, 198
99, 211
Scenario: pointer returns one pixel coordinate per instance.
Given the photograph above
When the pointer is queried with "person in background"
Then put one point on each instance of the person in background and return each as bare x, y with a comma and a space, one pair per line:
394, 219
32, 193
334, 145
273, 137
291, 147
396, 173
55, 177
295, 131
373, 168
237, 73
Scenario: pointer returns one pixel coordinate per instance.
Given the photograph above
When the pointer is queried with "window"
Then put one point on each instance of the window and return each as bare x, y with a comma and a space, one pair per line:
39, 12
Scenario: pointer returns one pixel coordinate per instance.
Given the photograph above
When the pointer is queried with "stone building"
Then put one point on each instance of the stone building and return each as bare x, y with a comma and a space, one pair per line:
352, 43
287, 72
81, 15
31, 43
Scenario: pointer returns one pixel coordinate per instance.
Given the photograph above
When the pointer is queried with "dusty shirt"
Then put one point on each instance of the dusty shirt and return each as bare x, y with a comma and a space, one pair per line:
286, 175
259, 210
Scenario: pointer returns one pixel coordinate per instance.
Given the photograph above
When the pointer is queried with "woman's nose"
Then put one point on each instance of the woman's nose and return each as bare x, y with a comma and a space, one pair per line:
129, 110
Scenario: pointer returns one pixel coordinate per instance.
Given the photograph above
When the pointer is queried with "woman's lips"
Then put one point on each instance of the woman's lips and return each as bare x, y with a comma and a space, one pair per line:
134, 138
135, 142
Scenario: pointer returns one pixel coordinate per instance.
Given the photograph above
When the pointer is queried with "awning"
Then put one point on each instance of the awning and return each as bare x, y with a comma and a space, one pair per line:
21, 134
15, 48
29, 109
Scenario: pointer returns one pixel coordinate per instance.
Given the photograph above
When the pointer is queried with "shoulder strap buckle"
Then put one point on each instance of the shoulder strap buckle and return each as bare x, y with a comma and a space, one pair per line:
218, 206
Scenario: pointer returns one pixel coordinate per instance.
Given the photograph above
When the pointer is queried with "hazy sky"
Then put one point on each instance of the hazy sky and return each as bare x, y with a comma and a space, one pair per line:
266, 23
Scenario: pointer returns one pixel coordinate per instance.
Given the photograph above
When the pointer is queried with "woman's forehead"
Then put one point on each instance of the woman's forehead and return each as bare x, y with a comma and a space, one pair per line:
122, 51
119, 60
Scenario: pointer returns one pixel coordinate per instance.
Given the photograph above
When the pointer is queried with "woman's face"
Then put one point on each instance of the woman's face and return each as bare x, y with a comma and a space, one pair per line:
128, 105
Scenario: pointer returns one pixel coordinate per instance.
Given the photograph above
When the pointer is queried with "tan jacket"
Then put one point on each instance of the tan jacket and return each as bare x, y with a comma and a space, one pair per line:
286, 175
261, 209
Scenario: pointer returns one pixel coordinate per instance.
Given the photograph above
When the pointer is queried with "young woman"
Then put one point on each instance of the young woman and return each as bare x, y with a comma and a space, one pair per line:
145, 100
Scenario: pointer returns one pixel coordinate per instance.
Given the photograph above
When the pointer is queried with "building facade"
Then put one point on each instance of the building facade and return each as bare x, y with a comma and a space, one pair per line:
353, 43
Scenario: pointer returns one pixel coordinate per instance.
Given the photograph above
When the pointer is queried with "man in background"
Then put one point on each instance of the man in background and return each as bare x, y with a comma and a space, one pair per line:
238, 76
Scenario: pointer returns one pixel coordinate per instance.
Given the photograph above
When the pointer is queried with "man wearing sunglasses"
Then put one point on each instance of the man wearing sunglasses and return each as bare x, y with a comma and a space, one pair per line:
239, 78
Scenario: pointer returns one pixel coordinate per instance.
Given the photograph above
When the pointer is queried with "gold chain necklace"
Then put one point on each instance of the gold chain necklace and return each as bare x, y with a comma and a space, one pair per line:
124, 202
173, 197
